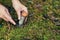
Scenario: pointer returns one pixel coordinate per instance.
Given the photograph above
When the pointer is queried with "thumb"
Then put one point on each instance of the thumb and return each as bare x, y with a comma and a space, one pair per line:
19, 15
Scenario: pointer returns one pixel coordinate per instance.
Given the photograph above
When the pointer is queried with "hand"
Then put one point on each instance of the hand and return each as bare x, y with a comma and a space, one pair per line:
4, 14
19, 7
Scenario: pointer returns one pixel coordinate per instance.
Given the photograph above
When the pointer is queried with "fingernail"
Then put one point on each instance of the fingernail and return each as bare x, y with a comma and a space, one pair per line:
12, 22
19, 18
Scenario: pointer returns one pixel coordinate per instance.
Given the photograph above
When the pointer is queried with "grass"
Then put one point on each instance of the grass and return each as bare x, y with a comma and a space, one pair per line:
37, 28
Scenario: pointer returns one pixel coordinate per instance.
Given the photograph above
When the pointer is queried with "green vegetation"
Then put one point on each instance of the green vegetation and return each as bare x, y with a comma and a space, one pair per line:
37, 28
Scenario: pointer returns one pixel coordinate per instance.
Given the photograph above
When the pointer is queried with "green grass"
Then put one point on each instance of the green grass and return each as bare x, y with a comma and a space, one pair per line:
37, 28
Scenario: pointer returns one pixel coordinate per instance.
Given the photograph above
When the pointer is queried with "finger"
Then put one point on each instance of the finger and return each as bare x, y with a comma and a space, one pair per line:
25, 12
7, 12
4, 18
9, 18
25, 9
19, 15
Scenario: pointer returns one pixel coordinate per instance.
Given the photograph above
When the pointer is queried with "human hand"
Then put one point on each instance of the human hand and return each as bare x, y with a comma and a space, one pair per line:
19, 7
4, 14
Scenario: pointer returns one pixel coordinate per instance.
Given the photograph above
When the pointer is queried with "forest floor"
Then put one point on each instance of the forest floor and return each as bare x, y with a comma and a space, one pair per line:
38, 27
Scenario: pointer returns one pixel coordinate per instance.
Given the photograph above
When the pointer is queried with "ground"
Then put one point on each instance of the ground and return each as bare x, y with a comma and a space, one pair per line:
38, 27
